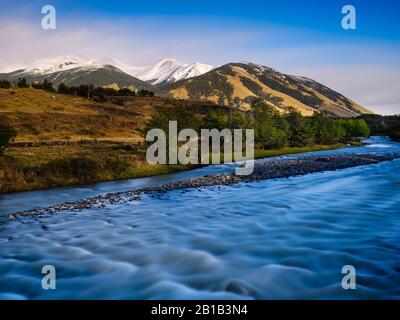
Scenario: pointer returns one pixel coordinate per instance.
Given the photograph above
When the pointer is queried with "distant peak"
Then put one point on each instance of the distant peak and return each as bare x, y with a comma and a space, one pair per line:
60, 63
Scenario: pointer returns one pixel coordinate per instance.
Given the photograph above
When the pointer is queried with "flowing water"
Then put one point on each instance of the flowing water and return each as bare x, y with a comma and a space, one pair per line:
284, 238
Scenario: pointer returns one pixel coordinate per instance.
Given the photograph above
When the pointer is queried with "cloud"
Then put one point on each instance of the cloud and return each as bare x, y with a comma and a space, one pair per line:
366, 72
141, 42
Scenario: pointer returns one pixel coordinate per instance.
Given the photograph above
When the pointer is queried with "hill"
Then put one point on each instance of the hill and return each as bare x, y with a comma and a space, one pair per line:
237, 84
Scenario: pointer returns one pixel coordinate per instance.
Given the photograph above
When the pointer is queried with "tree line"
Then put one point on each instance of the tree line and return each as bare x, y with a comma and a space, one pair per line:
384, 125
271, 128
89, 91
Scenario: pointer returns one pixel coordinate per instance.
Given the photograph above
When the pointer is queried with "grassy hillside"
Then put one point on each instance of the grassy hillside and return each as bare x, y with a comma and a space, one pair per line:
66, 140
238, 84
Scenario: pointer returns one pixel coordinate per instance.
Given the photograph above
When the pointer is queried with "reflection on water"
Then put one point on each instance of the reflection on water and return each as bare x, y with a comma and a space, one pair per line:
284, 238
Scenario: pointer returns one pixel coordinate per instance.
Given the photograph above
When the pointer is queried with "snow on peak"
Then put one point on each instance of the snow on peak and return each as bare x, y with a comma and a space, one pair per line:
165, 70
62, 63
189, 71
161, 71
171, 70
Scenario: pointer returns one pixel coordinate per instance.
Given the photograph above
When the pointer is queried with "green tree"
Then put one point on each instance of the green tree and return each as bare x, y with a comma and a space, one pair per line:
7, 134
267, 133
64, 89
300, 130
22, 83
215, 120
324, 128
4, 84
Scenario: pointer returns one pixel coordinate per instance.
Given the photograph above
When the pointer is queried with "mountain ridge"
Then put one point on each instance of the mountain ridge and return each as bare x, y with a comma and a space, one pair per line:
235, 84
238, 84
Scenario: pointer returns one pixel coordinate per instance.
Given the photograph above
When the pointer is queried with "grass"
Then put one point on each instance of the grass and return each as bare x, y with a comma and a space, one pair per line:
41, 167
65, 140
258, 153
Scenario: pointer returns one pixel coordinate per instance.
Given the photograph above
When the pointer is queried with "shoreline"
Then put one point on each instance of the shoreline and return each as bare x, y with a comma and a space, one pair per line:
146, 171
276, 169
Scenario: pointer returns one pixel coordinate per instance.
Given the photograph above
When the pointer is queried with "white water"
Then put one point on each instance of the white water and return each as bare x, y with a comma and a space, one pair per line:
284, 238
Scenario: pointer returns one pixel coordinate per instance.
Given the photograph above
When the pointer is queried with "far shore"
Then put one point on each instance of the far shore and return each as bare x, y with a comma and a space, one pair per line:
143, 170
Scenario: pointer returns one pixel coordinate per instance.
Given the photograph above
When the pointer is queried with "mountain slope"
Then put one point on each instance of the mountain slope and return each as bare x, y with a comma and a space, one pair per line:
237, 84
76, 74
75, 70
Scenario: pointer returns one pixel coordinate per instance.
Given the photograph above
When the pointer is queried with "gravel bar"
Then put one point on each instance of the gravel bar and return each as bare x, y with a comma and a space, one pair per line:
275, 169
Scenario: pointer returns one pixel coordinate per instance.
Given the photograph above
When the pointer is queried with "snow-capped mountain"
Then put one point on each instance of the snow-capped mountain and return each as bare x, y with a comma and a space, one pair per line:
189, 71
171, 70
160, 72
73, 70
62, 63
164, 71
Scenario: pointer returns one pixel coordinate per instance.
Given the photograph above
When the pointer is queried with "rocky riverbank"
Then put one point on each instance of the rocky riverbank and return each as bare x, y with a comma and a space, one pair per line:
275, 169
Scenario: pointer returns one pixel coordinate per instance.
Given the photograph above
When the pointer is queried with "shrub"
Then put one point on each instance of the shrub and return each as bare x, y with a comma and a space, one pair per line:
7, 134
4, 84
22, 83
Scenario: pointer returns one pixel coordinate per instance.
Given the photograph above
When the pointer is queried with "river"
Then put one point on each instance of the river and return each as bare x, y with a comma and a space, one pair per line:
273, 239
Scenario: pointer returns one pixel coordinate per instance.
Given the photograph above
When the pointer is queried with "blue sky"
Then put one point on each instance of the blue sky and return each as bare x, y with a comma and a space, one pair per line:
297, 37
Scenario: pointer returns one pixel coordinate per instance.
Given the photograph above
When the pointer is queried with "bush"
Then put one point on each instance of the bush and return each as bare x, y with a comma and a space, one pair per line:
4, 84
7, 134
22, 83
45, 85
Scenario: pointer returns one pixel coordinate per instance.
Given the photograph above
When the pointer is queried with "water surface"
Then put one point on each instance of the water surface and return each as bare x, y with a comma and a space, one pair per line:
284, 238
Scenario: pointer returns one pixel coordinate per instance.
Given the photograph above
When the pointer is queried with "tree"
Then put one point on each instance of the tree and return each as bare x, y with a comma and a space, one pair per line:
4, 84
22, 83
7, 134
64, 89
300, 130
324, 128
215, 120
267, 132
352, 128
359, 128
145, 93
46, 85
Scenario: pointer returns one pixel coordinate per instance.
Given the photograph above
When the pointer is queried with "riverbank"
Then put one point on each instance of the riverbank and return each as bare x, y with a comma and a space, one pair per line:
37, 167
265, 170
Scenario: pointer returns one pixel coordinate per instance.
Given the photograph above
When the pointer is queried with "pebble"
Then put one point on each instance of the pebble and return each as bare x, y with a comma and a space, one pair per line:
275, 169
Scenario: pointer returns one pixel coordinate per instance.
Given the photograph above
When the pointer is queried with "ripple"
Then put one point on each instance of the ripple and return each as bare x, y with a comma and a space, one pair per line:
281, 239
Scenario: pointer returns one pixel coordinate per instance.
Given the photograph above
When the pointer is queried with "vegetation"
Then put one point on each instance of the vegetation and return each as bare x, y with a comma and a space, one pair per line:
47, 166
45, 85
384, 125
7, 133
66, 139
4, 84
87, 91
22, 83
271, 128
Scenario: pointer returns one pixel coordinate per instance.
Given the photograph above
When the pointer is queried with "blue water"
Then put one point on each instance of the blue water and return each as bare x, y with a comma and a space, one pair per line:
284, 238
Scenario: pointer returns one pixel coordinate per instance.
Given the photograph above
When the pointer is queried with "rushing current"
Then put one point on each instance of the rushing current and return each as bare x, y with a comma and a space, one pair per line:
274, 239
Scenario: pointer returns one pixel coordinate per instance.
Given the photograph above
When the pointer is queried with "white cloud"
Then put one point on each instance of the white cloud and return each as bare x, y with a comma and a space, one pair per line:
348, 68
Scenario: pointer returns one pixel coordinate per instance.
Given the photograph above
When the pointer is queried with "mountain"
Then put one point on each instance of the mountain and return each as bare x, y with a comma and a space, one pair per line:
72, 70
237, 84
171, 70
234, 84
63, 63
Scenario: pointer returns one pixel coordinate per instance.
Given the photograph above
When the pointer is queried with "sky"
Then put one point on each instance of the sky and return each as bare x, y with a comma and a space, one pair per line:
302, 38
